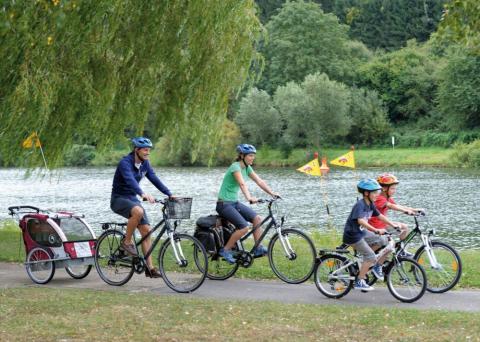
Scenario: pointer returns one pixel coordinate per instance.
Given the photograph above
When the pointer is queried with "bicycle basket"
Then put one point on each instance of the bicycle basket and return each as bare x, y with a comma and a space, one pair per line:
179, 208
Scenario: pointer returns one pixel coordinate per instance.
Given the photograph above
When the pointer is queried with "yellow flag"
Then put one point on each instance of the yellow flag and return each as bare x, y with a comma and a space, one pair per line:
32, 140
347, 160
311, 168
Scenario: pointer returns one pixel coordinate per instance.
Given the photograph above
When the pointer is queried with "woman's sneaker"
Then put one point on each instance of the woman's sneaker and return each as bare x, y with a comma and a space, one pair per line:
360, 284
377, 272
260, 251
227, 255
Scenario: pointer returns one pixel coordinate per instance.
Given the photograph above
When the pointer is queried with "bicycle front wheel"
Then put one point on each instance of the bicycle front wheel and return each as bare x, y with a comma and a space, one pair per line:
292, 256
330, 278
113, 265
183, 264
445, 271
406, 280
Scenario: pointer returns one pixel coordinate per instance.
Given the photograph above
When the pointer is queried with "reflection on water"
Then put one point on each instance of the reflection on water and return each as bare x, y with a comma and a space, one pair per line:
450, 196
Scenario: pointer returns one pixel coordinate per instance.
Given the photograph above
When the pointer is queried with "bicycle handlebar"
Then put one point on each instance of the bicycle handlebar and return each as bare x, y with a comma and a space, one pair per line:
15, 209
266, 200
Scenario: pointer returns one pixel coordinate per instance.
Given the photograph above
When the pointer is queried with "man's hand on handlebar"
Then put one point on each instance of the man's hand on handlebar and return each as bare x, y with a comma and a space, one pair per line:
148, 197
380, 231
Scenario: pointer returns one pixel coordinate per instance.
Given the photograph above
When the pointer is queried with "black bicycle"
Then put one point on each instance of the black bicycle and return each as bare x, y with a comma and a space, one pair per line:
441, 262
291, 253
336, 270
182, 259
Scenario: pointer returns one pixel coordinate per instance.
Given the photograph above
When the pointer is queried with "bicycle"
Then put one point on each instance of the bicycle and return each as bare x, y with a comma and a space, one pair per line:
182, 269
336, 270
291, 253
441, 262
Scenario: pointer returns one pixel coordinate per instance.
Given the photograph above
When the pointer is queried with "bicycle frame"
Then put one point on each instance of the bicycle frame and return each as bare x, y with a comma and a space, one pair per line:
425, 237
272, 222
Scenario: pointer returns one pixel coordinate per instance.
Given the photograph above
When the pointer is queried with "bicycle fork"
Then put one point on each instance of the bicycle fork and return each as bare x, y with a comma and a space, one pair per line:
287, 247
428, 248
177, 249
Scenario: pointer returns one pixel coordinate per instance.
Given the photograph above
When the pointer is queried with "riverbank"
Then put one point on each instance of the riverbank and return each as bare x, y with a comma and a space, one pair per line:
364, 157
12, 250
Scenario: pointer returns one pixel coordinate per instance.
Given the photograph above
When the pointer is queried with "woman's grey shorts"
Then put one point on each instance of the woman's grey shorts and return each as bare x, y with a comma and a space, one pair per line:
123, 207
236, 213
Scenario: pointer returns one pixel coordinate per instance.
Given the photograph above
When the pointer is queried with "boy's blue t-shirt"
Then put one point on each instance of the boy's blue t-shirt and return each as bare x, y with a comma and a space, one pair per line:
353, 232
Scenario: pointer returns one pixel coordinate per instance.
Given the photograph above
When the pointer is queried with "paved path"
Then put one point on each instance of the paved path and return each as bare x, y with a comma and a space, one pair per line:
14, 275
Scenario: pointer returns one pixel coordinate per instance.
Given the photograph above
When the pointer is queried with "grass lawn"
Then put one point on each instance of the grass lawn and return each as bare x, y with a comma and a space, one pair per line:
40, 314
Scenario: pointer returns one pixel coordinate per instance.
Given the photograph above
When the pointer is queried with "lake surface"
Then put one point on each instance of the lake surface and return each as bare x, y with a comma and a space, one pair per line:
450, 196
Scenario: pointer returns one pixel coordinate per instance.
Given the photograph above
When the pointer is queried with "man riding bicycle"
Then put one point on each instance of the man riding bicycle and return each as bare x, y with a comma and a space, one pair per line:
124, 201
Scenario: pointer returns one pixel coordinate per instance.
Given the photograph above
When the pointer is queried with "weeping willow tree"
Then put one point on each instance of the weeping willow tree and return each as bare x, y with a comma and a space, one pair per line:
87, 70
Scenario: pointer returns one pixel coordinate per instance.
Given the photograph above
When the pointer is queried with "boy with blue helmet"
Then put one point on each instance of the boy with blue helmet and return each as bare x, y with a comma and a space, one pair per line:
361, 235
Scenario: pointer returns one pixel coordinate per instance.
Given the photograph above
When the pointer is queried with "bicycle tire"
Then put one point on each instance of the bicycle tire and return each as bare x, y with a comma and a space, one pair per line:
219, 268
113, 265
406, 280
188, 276
78, 271
39, 265
301, 267
328, 286
444, 277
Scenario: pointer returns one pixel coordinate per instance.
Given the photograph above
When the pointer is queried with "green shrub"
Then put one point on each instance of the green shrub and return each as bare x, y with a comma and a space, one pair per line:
467, 154
80, 155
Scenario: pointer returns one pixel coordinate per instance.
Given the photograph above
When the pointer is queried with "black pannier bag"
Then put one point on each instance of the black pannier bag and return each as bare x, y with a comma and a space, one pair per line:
209, 232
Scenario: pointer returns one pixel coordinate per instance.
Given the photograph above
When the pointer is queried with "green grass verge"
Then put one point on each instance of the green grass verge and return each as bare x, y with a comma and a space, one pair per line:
372, 157
41, 314
12, 250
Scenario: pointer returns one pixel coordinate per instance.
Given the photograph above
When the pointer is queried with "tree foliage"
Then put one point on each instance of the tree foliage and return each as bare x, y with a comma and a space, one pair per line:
86, 70
315, 112
461, 23
303, 40
459, 89
258, 119
406, 80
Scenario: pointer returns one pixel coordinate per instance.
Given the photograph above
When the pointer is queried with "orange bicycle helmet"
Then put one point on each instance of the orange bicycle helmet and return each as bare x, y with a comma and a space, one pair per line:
387, 179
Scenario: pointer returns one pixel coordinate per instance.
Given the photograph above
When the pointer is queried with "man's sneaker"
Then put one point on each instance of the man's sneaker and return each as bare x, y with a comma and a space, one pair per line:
360, 284
227, 255
129, 248
377, 271
260, 251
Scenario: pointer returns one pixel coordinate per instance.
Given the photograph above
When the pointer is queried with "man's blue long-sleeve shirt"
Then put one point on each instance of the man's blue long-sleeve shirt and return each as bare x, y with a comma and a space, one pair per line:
127, 178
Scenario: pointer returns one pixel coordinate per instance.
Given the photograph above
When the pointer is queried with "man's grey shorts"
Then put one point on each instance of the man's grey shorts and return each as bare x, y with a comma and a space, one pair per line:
123, 207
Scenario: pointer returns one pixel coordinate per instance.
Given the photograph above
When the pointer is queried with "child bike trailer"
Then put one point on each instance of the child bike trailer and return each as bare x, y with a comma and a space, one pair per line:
55, 240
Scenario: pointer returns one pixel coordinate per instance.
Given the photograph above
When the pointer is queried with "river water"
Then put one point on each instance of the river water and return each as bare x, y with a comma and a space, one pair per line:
450, 196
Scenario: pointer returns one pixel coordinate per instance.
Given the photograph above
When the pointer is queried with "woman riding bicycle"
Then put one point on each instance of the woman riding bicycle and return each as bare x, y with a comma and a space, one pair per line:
231, 209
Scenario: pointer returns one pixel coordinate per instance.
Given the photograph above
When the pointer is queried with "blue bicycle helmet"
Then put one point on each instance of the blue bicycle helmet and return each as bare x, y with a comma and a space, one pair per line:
368, 185
142, 142
246, 149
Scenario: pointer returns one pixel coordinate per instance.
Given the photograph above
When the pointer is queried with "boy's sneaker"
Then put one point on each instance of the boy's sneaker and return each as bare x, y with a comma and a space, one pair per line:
360, 284
406, 254
260, 251
377, 271
227, 255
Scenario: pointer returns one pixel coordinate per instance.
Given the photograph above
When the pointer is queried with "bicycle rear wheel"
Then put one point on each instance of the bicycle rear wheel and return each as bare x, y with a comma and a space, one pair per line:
446, 273
293, 262
330, 279
406, 280
184, 264
40, 267
113, 265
